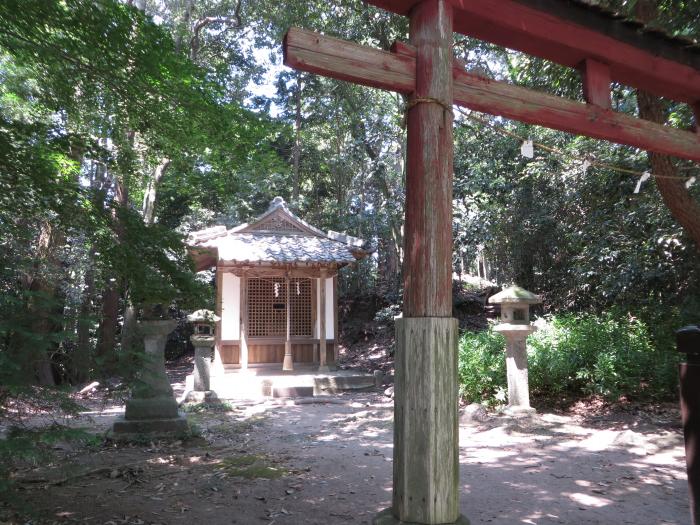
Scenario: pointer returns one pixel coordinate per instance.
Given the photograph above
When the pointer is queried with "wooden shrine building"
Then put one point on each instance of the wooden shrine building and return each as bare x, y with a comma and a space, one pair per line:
276, 289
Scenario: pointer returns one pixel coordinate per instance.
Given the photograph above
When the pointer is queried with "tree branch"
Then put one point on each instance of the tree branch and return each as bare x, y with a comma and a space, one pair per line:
231, 22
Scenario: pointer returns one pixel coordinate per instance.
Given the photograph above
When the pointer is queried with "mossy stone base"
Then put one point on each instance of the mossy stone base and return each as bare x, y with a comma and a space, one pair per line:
124, 428
151, 408
386, 517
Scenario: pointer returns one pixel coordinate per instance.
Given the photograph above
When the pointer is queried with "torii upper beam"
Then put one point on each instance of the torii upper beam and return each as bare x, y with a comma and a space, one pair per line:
569, 32
395, 71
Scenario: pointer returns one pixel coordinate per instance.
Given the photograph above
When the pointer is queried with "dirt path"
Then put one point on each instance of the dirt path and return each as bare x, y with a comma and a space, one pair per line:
321, 463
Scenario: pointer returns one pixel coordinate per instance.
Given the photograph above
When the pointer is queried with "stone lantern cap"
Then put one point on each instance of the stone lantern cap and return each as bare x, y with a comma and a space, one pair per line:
515, 295
203, 316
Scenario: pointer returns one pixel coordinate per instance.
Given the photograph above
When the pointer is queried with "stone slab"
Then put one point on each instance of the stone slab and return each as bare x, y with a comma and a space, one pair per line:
292, 391
150, 427
335, 384
386, 517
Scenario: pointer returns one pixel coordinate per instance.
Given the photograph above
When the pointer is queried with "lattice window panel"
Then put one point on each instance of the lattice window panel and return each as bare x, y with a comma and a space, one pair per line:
267, 309
300, 307
267, 314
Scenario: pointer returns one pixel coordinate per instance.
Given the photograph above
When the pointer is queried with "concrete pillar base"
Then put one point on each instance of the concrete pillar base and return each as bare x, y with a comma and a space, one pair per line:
288, 364
386, 517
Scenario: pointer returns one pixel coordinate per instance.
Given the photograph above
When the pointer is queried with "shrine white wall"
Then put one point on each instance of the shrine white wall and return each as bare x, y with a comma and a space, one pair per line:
330, 314
230, 306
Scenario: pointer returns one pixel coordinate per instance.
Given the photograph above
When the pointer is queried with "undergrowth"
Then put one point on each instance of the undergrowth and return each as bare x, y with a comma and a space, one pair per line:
573, 355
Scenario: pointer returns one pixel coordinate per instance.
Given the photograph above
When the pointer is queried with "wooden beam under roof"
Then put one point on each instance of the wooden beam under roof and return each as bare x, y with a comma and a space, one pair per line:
569, 33
309, 51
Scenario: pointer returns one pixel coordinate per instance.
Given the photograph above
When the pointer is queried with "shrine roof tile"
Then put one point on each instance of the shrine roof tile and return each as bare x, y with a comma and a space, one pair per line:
276, 236
267, 248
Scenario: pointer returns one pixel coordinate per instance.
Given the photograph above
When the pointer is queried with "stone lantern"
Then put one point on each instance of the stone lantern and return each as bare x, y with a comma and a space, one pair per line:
152, 408
203, 341
515, 326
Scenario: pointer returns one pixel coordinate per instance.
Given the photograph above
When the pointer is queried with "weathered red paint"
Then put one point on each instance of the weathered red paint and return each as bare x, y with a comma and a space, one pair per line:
536, 32
396, 71
328, 56
428, 228
596, 83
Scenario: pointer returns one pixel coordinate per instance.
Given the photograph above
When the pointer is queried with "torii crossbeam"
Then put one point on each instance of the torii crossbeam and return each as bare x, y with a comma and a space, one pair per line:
426, 469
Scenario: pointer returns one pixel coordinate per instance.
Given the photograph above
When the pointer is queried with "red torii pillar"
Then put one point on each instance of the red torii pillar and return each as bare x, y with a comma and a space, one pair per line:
426, 455
426, 466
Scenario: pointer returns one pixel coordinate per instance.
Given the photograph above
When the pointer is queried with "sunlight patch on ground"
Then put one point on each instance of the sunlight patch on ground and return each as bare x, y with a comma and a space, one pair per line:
587, 500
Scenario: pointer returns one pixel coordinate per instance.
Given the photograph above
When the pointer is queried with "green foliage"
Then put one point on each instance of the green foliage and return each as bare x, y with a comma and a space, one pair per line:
574, 355
609, 355
482, 367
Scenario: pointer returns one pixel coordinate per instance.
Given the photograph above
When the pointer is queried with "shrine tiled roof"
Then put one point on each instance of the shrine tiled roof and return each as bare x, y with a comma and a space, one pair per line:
270, 248
276, 237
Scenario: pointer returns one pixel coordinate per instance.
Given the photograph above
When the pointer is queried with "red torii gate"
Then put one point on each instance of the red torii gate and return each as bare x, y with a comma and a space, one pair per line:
426, 468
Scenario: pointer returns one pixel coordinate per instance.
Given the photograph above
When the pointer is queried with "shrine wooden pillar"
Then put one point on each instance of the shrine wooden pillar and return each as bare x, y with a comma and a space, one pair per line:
243, 323
322, 365
426, 467
288, 363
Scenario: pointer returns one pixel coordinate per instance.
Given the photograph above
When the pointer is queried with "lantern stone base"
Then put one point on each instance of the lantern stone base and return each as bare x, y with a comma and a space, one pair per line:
151, 408
127, 428
206, 396
386, 517
518, 411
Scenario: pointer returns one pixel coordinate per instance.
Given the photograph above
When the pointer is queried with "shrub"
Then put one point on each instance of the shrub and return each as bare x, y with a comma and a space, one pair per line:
482, 366
574, 355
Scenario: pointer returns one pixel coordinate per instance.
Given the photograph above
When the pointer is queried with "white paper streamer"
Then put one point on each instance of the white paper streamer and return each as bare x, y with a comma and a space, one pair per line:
527, 149
690, 182
645, 177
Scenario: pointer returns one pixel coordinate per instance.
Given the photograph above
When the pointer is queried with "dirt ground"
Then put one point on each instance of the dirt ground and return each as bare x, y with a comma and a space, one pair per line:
286, 462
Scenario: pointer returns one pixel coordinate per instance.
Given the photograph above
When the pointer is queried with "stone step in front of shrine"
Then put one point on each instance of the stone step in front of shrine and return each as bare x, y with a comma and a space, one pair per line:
268, 383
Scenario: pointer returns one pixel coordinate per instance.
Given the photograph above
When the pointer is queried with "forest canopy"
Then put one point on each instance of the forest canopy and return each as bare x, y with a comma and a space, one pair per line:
126, 125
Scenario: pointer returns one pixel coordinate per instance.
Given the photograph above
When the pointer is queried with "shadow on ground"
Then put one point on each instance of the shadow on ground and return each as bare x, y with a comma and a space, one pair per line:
330, 462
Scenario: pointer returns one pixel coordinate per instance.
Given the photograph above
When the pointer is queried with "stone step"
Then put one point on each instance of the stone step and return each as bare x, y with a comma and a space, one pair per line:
292, 391
237, 385
335, 384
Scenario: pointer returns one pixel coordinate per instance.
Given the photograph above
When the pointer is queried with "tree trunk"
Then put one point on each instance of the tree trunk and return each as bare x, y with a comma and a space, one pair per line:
44, 305
149, 199
149, 205
106, 343
296, 154
80, 363
683, 207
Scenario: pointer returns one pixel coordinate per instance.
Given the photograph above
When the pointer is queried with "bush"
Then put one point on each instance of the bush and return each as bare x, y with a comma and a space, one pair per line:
482, 366
574, 355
